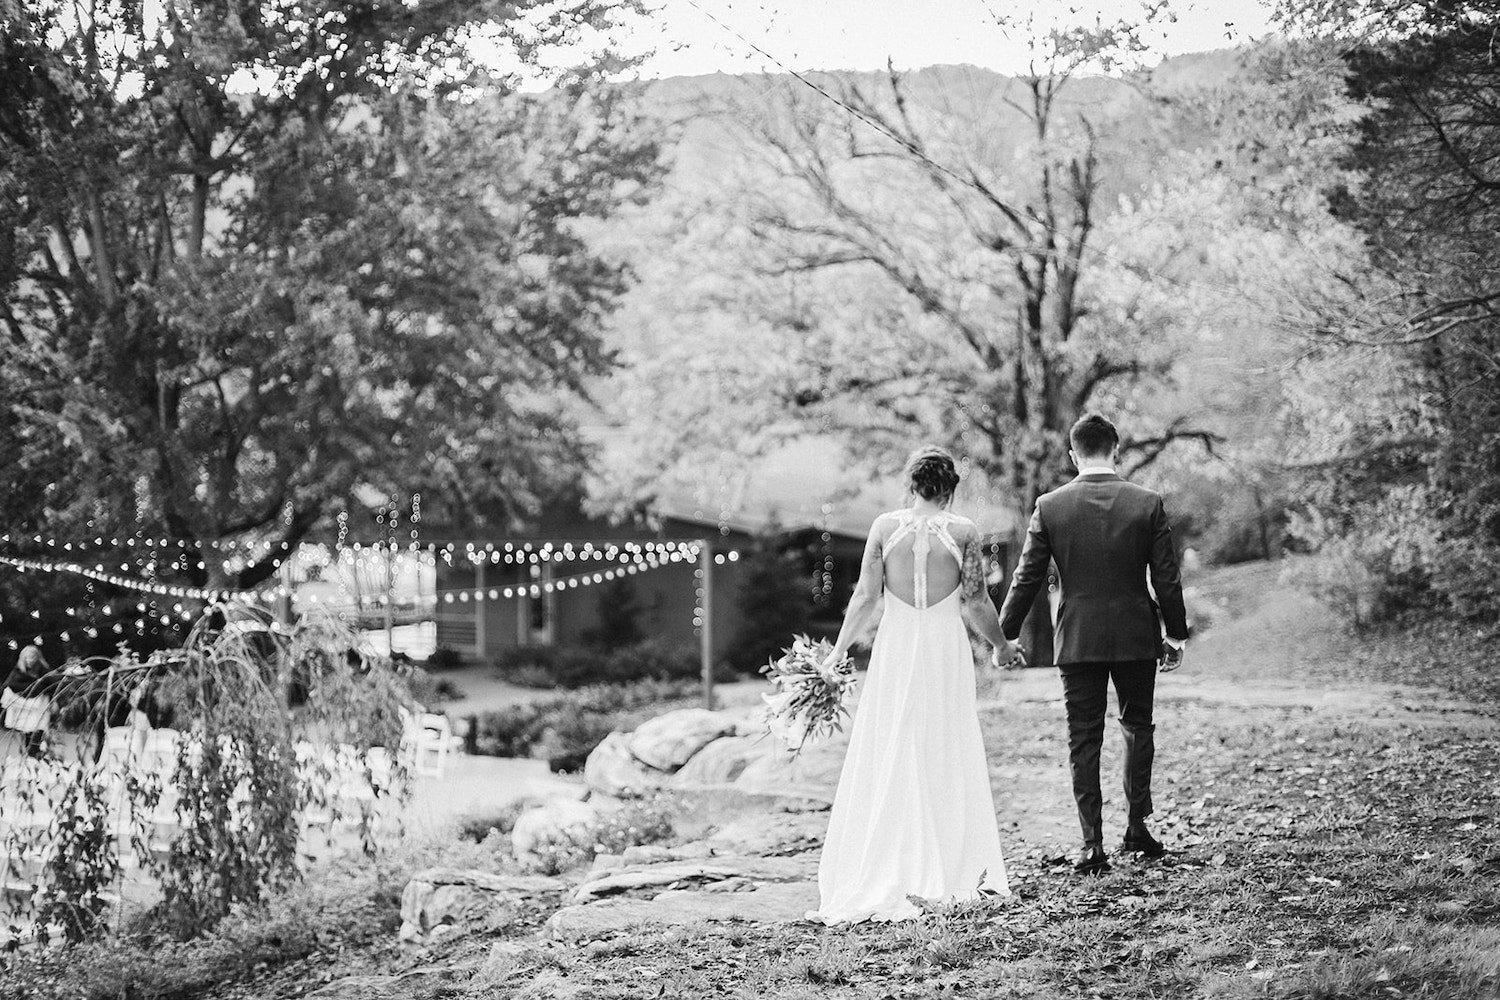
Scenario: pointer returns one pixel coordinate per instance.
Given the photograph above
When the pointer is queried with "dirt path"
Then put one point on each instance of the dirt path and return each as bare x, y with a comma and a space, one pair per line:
1253, 659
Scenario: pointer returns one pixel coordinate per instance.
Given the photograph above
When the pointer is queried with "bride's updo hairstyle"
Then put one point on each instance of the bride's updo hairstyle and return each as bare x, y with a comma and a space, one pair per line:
932, 474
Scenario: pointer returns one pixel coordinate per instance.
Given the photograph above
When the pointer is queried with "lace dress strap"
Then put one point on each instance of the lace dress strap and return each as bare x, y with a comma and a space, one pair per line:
923, 528
940, 528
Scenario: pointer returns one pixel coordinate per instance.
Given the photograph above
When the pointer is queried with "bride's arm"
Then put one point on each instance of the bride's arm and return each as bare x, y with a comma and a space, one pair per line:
864, 605
978, 606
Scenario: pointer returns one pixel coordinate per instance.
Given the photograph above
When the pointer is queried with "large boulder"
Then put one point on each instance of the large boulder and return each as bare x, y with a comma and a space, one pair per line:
722, 761
442, 901
612, 769
668, 741
812, 776
557, 821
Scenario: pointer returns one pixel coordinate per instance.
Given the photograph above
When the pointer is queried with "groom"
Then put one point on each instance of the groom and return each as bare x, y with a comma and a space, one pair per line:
1104, 534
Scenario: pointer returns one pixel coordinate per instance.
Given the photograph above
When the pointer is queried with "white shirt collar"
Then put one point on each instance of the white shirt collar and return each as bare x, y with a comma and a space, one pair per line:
1096, 470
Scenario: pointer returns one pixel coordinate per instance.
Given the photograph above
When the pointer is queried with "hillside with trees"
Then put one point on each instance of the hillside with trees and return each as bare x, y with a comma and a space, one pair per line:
1230, 251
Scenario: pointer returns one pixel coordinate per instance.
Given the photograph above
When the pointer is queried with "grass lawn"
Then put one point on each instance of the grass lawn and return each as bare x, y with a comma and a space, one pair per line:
1337, 840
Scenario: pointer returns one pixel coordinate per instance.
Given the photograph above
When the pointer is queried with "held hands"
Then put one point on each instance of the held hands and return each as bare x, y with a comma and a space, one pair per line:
1008, 656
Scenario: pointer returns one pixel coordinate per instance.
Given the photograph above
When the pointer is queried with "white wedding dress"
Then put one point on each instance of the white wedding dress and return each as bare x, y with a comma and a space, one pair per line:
913, 814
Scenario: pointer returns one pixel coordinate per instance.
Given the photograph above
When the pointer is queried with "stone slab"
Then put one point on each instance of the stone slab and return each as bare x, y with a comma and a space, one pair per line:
768, 902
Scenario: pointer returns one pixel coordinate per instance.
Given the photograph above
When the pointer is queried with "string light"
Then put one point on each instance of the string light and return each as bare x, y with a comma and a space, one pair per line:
627, 558
825, 571
143, 541
541, 586
822, 575
141, 586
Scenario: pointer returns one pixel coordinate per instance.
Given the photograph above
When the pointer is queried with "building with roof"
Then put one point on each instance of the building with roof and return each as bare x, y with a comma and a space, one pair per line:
559, 582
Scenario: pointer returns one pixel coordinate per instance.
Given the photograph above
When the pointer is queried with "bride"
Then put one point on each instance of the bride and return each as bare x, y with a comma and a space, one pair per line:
913, 815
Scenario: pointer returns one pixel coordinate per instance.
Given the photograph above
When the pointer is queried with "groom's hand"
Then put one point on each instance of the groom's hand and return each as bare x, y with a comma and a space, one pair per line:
1171, 658
1008, 656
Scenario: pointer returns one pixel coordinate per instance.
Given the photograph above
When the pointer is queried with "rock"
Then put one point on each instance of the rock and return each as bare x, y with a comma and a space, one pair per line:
750, 721
773, 902
608, 864
380, 987
737, 884
503, 954
357, 988
441, 901
811, 776
668, 741
646, 854
696, 849
558, 821
640, 876
769, 833
444, 931
798, 868
722, 761
613, 770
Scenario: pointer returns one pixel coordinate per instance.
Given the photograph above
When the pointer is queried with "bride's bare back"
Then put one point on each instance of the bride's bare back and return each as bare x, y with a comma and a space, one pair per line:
922, 561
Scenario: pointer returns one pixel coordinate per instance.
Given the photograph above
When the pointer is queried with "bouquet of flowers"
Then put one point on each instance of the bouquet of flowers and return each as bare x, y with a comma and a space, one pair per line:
808, 700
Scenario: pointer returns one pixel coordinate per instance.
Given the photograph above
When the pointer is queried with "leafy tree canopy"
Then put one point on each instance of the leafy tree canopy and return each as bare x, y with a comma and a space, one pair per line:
256, 255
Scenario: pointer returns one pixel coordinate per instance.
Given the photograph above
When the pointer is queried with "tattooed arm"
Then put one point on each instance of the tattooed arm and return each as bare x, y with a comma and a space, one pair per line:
863, 606
979, 608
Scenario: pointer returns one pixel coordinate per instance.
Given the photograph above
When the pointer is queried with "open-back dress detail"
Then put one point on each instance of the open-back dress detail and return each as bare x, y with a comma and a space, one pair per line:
913, 814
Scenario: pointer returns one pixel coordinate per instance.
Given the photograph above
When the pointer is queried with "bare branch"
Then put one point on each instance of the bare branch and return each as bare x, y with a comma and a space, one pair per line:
1484, 301
1150, 449
1374, 449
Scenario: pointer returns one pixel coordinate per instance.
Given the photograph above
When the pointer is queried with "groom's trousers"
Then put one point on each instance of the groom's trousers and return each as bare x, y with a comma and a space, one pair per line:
1086, 695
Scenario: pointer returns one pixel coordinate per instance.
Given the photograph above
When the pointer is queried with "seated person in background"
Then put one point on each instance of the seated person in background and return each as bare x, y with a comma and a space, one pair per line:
27, 697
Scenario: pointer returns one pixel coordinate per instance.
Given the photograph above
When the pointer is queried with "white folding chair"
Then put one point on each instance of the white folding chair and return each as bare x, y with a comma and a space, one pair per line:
429, 739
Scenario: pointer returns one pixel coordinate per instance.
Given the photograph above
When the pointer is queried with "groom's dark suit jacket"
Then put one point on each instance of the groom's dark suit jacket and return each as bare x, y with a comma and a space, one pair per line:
1104, 534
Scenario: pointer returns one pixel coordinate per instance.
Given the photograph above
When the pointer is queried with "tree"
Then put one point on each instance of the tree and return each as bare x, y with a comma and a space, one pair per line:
774, 604
259, 254
914, 258
619, 617
1417, 476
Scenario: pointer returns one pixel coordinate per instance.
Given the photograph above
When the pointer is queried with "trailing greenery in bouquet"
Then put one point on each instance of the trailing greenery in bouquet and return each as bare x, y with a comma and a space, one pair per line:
809, 700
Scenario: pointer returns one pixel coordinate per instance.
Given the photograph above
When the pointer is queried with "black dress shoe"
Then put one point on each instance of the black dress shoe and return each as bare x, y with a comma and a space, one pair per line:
1141, 842
1091, 862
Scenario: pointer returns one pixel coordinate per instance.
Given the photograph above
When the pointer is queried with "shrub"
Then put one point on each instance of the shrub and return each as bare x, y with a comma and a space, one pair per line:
478, 828
566, 743
654, 659
445, 658
1374, 570
565, 729
429, 690
638, 822
580, 666
553, 666
348, 904
511, 731
236, 784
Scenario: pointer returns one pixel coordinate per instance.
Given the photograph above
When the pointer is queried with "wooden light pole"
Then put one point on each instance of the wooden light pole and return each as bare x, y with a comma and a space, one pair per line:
706, 629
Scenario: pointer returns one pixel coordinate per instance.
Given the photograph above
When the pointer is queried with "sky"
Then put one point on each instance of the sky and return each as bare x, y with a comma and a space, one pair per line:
692, 37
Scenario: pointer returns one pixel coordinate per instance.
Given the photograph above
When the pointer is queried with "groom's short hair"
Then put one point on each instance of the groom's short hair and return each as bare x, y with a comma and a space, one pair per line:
1093, 435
